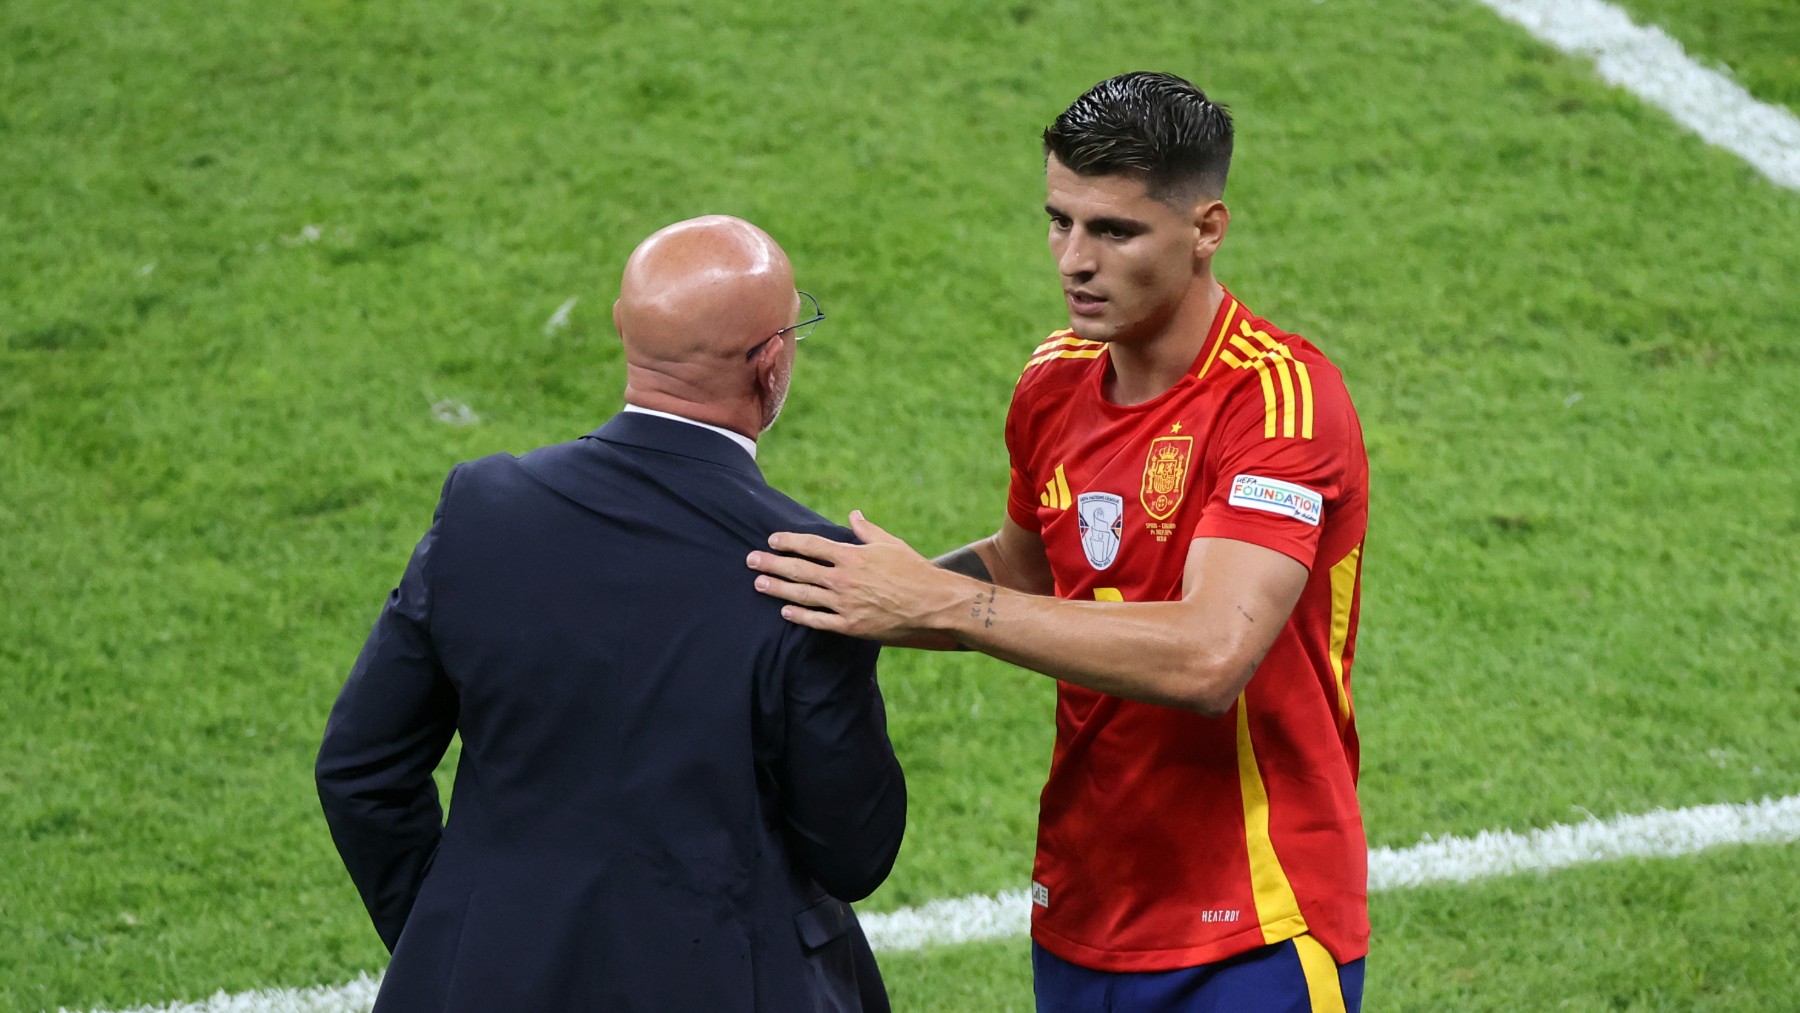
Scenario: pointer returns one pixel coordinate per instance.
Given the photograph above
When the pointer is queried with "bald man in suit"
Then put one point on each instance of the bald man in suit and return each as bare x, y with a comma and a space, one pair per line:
666, 794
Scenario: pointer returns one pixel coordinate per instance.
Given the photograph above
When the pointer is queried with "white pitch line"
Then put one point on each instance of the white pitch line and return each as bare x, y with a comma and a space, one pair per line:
944, 922
1647, 62
1665, 833
351, 997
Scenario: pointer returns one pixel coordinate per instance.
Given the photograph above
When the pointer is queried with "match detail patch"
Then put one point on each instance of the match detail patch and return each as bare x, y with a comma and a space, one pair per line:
1277, 497
1102, 517
1040, 894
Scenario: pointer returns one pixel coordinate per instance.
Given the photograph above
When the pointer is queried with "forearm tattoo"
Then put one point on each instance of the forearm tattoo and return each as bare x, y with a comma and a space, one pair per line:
983, 606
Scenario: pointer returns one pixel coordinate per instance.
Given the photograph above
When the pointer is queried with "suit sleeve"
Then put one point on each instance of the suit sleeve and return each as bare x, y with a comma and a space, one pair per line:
844, 796
388, 730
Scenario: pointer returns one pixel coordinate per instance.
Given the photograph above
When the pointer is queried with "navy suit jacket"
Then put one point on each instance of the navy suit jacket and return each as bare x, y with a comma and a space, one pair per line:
666, 793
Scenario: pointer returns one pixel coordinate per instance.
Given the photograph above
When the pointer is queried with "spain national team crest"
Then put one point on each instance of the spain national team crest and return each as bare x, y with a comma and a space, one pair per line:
1165, 474
1102, 518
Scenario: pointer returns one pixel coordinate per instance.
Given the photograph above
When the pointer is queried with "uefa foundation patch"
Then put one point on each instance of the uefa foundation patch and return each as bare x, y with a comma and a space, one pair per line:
1277, 497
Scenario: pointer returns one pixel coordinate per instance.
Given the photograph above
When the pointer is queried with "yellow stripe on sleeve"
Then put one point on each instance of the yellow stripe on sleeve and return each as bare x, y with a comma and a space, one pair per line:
1268, 386
1271, 344
1287, 395
1276, 909
1250, 351
1306, 400
1302, 401
1295, 399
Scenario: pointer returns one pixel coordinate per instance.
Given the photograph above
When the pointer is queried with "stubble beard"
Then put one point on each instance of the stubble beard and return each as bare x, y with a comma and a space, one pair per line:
772, 410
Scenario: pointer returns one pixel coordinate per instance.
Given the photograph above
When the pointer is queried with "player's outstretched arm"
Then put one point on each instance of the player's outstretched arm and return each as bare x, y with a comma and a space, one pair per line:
1196, 653
1011, 557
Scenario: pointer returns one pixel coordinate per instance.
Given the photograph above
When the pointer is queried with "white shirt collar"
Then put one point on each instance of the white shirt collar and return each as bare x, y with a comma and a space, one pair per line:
740, 439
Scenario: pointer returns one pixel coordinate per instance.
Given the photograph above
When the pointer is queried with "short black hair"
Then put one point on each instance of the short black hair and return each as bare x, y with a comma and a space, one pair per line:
1155, 126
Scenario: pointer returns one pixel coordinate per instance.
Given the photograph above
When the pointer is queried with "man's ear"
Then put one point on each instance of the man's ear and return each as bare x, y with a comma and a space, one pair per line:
1211, 219
766, 363
615, 315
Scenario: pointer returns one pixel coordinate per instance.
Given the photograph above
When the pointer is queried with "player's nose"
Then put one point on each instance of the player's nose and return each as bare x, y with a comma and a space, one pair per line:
1075, 260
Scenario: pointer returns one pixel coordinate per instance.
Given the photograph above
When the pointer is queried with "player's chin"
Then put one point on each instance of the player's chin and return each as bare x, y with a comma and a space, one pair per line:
1092, 328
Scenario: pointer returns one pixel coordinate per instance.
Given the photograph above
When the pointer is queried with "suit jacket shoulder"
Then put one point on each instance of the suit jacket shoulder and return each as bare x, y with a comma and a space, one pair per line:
641, 732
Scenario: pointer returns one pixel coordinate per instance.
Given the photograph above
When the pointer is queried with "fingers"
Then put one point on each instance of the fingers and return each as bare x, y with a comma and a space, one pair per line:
868, 531
789, 591
811, 546
830, 622
799, 595
792, 568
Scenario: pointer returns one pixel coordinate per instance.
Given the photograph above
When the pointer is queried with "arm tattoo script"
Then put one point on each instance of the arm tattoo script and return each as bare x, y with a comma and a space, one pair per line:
983, 606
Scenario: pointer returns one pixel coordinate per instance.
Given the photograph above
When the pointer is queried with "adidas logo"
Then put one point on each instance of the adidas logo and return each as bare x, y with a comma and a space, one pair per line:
1056, 492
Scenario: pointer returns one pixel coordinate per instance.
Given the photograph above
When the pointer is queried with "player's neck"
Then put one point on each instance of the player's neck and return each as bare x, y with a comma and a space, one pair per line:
1144, 369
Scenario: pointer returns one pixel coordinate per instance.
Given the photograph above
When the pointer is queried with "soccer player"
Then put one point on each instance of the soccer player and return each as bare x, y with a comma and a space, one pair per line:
1182, 551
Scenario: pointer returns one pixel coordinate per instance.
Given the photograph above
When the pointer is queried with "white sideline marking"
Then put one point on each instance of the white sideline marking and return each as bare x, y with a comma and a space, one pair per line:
351, 997
1647, 62
944, 922
1665, 833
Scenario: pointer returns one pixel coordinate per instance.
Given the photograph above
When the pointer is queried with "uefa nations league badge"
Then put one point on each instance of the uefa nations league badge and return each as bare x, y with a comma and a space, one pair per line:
1102, 517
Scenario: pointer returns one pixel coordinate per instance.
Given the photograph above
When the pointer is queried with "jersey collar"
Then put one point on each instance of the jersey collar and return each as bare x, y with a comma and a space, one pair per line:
1230, 310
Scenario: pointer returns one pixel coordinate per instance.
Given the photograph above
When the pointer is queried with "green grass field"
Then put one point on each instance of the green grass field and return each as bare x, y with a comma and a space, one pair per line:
245, 249
1757, 41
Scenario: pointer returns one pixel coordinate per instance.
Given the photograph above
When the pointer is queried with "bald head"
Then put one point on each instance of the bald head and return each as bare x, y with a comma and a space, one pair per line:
695, 298
703, 288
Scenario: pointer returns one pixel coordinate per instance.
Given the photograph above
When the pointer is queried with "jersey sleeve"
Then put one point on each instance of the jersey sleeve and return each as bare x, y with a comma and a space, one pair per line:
1273, 489
1021, 489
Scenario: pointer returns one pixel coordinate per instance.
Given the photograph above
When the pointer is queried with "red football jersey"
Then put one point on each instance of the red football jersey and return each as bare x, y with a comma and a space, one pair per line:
1167, 839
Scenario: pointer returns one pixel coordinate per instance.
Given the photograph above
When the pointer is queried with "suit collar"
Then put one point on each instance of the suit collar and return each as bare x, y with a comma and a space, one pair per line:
741, 440
638, 429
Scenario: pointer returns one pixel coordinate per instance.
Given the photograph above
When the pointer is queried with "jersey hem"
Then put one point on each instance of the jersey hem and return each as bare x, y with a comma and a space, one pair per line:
1095, 959
1285, 546
1026, 519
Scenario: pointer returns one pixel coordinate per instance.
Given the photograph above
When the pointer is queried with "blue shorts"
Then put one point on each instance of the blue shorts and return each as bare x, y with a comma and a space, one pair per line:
1269, 980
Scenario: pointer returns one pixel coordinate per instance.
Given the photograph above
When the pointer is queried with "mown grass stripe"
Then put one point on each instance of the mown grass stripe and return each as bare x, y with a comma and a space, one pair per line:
1665, 833
1647, 62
